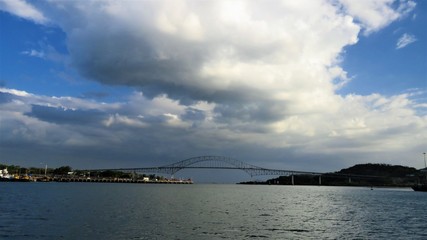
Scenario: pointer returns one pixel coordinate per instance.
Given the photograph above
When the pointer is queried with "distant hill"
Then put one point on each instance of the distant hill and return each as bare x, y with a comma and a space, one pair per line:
381, 170
369, 174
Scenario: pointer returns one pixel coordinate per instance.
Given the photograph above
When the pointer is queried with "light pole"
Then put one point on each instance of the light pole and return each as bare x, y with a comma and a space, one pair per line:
425, 163
45, 169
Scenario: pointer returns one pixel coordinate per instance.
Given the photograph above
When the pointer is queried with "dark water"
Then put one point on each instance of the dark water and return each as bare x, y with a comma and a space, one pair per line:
133, 211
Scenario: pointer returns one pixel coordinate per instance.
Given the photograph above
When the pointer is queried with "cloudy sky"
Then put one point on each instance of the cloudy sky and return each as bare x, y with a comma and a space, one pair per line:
303, 85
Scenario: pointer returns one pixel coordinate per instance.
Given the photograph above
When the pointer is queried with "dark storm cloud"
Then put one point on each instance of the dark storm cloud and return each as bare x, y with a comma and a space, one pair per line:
192, 114
253, 112
66, 116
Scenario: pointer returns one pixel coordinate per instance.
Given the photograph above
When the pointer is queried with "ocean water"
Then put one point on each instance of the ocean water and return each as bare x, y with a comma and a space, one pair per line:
198, 211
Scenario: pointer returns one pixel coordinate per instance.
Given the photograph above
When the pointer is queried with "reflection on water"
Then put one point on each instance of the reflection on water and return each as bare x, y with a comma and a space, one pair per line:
128, 211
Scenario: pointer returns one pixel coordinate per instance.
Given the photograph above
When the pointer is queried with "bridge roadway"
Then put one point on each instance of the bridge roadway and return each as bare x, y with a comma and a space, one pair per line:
213, 162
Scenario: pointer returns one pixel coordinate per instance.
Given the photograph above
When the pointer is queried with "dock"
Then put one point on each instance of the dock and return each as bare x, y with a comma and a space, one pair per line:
114, 180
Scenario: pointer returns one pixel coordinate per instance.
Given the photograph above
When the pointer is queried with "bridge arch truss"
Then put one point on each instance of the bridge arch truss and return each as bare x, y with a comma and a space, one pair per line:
214, 162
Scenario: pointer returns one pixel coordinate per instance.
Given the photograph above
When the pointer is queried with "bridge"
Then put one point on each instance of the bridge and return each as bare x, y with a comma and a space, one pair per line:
213, 162
221, 162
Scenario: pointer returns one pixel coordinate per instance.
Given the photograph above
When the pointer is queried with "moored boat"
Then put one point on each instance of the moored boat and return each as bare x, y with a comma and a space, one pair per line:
6, 177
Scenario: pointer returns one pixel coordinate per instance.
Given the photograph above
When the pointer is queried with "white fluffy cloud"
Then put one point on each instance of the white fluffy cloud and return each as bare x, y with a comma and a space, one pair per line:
267, 60
163, 127
376, 14
22, 9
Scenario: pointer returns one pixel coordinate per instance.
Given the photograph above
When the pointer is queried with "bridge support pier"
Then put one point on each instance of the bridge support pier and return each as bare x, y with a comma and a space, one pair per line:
320, 179
292, 179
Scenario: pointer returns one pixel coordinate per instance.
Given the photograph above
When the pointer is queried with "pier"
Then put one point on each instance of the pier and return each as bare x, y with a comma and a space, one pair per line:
119, 180
107, 180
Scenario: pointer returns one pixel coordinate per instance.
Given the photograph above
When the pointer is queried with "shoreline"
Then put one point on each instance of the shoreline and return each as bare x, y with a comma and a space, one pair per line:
99, 180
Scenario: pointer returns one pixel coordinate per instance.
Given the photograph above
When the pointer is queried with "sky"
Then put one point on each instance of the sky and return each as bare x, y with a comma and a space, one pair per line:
302, 85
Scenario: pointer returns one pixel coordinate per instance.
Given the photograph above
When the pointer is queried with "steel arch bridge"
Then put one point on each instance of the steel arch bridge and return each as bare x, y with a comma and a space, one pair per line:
213, 162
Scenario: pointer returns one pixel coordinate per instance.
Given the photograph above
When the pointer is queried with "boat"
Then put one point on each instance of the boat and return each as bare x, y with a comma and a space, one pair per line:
420, 187
6, 177
16, 179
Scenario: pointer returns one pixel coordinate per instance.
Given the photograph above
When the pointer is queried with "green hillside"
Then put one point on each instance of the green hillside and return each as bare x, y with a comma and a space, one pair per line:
383, 170
359, 175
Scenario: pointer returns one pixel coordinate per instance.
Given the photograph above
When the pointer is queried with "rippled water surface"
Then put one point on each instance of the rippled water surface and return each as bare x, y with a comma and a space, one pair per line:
143, 211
